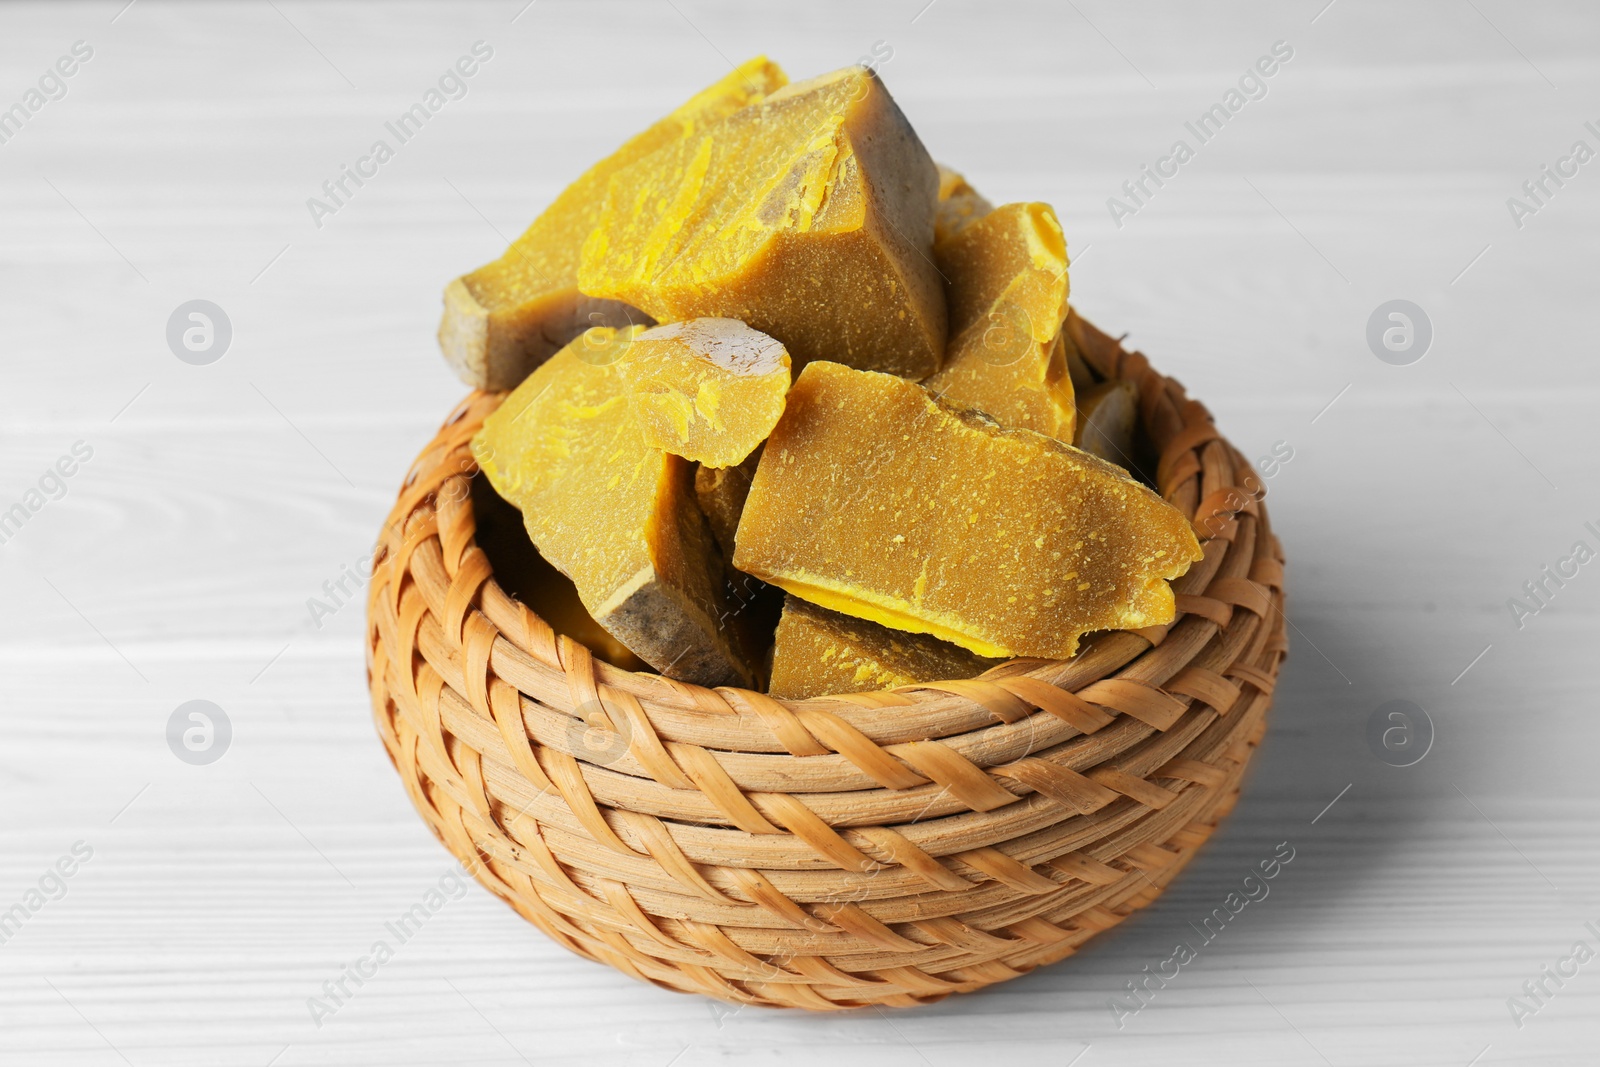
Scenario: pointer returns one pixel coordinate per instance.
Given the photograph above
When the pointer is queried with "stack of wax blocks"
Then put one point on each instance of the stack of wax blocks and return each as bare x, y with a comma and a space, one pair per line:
769, 345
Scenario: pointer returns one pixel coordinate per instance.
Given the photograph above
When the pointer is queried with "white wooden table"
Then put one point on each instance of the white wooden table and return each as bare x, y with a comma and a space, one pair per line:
218, 499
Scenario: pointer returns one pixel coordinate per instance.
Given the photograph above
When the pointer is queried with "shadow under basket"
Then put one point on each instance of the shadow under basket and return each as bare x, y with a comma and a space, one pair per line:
883, 848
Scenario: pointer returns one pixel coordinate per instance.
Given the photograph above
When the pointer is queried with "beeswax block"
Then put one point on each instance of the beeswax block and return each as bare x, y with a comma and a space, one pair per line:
939, 521
721, 492
1107, 417
959, 204
1006, 279
507, 317
526, 575
709, 390
808, 216
820, 652
615, 515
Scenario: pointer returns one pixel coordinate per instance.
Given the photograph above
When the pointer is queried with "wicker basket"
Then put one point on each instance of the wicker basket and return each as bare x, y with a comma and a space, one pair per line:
884, 848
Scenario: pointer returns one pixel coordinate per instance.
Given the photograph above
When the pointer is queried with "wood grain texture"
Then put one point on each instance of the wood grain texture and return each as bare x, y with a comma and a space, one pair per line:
179, 563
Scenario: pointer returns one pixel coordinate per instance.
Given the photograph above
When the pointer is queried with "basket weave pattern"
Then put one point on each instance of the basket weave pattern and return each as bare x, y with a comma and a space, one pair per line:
885, 848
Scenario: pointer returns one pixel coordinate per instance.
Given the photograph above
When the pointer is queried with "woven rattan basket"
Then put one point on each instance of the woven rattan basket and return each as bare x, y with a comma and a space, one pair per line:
886, 848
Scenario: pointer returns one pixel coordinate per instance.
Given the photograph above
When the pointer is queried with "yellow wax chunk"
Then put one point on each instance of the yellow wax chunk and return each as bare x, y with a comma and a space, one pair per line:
613, 514
526, 575
1108, 415
959, 204
808, 216
820, 652
1006, 281
877, 501
507, 317
721, 492
709, 390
